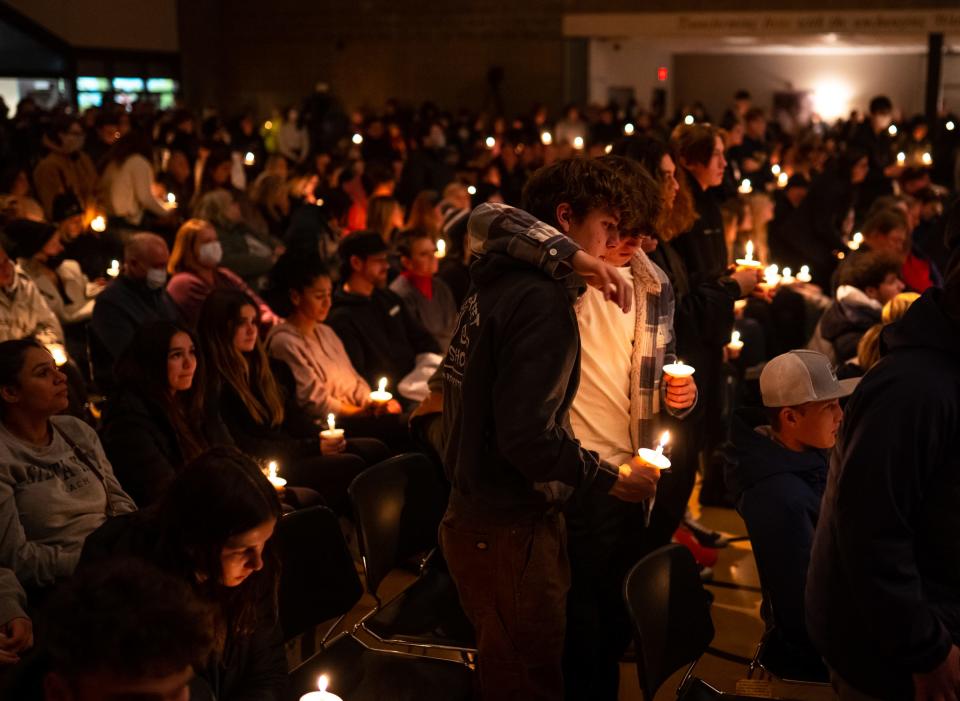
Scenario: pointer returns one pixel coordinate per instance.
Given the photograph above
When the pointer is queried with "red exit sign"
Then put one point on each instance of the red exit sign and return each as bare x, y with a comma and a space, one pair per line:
662, 73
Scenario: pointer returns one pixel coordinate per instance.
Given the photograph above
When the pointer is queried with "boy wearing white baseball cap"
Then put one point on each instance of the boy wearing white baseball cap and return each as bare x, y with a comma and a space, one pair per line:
778, 480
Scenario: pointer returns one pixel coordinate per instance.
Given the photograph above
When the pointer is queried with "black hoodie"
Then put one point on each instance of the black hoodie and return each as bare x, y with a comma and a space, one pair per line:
777, 491
509, 378
883, 591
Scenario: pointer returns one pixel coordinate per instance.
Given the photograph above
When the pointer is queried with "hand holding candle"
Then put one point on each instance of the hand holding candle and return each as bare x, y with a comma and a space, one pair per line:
680, 392
332, 440
678, 370
381, 396
322, 694
747, 261
656, 458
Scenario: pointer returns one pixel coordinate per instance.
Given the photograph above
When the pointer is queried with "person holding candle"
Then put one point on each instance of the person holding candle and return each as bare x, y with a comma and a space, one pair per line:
91, 250
426, 297
261, 416
56, 484
196, 271
158, 420
777, 479
324, 380
127, 183
881, 595
214, 530
508, 381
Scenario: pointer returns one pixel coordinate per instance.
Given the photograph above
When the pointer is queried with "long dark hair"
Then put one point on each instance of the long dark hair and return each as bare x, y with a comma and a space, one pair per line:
249, 374
294, 271
142, 369
13, 355
221, 494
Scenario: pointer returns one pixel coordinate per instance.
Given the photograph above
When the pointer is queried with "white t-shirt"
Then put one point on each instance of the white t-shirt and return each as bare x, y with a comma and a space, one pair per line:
600, 415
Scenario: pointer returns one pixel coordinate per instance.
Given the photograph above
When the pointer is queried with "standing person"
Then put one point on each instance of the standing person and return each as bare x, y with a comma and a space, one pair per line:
508, 381
884, 579
702, 249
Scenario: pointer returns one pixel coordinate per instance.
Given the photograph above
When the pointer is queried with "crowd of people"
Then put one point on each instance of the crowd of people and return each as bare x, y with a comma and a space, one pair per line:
186, 303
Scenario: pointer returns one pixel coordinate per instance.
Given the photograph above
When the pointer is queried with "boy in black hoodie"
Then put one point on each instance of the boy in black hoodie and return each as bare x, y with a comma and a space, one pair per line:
778, 480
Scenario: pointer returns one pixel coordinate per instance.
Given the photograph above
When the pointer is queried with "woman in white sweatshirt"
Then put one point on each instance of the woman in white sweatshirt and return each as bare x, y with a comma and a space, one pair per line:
127, 181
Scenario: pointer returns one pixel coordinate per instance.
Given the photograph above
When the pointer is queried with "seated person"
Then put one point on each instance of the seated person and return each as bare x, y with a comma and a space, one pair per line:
157, 421
324, 380
67, 291
195, 267
214, 530
137, 297
884, 230
23, 311
243, 253
56, 484
93, 646
866, 284
380, 336
426, 297
241, 389
16, 629
92, 250
777, 480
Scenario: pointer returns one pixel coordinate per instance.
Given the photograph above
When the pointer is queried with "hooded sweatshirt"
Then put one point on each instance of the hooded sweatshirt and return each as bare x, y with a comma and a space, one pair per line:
777, 492
843, 324
24, 312
883, 592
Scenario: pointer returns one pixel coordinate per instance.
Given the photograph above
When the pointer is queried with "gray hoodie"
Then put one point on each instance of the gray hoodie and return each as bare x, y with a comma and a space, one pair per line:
24, 312
51, 500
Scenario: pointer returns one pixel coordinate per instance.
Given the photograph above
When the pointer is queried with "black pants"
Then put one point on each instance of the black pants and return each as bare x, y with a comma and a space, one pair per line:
330, 475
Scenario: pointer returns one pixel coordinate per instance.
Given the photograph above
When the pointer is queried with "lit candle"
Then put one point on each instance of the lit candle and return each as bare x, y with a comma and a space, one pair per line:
381, 395
249, 159
656, 458
277, 481
775, 169
490, 142
892, 130
739, 305
901, 158
787, 277
332, 432
441, 248
688, 120
578, 143
99, 224
771, 276
950, 125
357, 139
736, 344
783, 180
628, 128
804, 274
114, 269
608, 148
746, 187
268, 125
471, 190
678, 370
748, 261
58, 352
855, 242
322, 694
546, 138
927, 158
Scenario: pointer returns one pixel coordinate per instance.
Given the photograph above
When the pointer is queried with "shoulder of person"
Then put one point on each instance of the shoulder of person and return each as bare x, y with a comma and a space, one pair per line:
77, 429
184, 280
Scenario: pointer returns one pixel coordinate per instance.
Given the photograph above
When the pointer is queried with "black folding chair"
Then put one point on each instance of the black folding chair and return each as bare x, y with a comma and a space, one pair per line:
320, 583
398, 506
670, 611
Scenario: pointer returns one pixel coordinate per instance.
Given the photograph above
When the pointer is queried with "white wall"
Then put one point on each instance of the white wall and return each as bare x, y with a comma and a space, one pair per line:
113, 24
628, 63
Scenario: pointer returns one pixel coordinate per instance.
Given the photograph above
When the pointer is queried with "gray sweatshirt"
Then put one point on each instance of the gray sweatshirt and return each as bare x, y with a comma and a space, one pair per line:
50, 500
24, 312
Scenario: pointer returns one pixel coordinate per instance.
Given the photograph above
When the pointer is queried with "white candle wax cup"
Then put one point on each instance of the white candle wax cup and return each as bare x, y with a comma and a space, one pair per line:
787, 277
322, 694
804, 274
656, 458
748, 261
678, 370
114, 269
380, 395
771, 276
277, 481
332, 432
735, 342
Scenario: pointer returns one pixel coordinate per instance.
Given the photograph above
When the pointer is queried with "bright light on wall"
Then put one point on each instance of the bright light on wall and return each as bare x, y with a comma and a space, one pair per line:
831, 99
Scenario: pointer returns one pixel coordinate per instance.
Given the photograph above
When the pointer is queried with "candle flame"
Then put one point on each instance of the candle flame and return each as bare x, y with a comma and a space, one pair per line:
323, 682
804, 269
749, 250
787, 272
783, 180
171, 198
775, 169
99, 224
664, 439
441, 248
272, 469
578, 142
331, 422
927, 159
735, 337
382, 385
546, 138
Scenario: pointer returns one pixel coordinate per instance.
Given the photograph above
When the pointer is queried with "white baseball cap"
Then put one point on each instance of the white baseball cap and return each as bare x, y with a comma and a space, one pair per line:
802, 376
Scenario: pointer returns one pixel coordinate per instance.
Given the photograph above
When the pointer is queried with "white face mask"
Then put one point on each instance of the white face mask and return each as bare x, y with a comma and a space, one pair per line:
211, 253
156, 278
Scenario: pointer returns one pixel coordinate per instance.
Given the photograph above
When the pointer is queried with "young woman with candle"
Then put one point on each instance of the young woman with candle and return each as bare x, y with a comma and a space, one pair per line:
325, 380
214, 530
261, 416
157, 421
56, 484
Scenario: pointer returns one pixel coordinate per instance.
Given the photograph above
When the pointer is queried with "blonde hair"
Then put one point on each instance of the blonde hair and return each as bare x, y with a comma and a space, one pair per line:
868, 349
183, 257
897, 307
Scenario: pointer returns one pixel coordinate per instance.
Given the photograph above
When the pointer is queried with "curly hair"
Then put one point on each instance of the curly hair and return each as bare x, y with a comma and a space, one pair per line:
646, 202
585, 184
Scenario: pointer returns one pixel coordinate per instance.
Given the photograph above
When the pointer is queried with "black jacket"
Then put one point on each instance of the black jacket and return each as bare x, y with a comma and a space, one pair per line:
509, 378
250, 667
380, 336
142, 445
883, 592
703, 248
777, 491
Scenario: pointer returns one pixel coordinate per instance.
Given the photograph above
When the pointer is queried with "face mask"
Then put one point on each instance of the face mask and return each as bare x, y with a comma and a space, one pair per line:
156, 278
72, 142
211, 253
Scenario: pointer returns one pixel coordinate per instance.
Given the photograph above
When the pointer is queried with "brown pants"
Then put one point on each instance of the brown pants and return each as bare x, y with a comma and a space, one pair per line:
512, 581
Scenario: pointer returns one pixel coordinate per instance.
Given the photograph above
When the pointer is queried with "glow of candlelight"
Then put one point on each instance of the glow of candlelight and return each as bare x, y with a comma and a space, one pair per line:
114, 268
628, 128
323, 682
171, 198
249, 159
855, 241
804, 274
783, 180
99, 224
58, 352
546, 138
927, 158
357, 139
688, 120
382, 385
775, 169
272, 470
490, 142
749, 251
441, 248
892, 130
950, 125
901, 158
746, 187
664, 439
471, 190
578, 143
331, 422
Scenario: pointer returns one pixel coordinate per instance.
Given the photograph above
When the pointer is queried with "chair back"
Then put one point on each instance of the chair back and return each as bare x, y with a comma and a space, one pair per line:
398, 506
670, 611
318, 580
